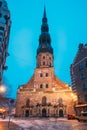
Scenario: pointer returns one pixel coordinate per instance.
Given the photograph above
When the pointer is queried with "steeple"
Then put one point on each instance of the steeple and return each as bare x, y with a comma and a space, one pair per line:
45, 47
44, 38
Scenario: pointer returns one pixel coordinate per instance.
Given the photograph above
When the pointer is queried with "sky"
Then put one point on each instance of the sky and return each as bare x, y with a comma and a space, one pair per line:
67, 20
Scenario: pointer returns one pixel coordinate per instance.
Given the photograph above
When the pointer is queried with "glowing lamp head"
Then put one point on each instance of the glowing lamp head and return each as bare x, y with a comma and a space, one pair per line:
2, 89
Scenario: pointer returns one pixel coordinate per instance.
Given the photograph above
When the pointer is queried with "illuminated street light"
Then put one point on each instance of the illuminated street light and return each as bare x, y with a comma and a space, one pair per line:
2, 89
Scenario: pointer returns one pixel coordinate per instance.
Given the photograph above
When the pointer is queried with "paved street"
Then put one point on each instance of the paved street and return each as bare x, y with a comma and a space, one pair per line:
44, 124
4, 126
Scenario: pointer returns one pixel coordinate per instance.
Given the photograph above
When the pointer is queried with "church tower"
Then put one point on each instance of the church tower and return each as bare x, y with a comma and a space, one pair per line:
45, 50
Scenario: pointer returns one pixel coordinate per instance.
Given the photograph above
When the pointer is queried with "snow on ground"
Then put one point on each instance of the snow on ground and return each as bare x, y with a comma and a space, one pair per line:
43, 123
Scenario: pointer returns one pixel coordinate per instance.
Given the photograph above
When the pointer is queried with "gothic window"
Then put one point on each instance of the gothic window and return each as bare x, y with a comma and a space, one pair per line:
46, 74
41, 75
46, 85
41, 85
27, 102
44, 101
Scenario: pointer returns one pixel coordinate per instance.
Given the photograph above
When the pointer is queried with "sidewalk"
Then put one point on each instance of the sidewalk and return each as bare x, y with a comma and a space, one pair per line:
12, 126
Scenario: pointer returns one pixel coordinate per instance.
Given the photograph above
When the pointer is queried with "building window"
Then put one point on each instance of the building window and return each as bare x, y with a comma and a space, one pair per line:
0, 4
43, 57
46, 74
84, 86
44, 101
41, 75
85, 98
82, 76
80, 67
43, 63
41, 85
27, 102
86, 63
46, 85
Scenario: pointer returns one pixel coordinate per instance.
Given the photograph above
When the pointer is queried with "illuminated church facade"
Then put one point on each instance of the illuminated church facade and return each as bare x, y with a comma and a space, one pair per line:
45, 95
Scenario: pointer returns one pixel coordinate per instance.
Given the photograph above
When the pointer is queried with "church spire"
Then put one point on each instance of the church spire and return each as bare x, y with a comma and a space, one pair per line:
44, 38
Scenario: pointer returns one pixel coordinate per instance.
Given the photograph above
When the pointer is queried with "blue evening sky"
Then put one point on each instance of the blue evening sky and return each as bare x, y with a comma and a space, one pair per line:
67, 21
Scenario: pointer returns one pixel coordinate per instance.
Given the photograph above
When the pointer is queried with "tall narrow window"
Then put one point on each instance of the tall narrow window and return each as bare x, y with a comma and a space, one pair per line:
27, 102
46, 85
46, 74
43, 57
41, 75
44, 101
43, 63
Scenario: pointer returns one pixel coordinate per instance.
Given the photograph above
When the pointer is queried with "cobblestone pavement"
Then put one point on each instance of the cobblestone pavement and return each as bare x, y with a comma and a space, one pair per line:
46, 124
4, 126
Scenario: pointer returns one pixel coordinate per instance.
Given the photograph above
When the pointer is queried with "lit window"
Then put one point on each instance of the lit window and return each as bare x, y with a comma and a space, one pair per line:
46, 74
41, 85
46, 85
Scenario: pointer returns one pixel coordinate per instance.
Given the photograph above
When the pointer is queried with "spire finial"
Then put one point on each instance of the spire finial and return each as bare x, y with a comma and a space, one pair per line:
44, 10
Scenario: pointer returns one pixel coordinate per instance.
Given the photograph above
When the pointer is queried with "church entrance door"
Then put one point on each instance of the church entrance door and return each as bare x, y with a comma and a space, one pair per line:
61, 113
43, 112
27, 113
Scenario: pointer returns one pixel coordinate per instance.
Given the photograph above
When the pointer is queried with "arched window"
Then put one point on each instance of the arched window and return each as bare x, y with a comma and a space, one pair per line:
46, 74
44, 101
41, 85
27, 102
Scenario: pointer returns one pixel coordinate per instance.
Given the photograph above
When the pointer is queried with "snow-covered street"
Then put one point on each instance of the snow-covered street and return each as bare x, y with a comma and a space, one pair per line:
49, 124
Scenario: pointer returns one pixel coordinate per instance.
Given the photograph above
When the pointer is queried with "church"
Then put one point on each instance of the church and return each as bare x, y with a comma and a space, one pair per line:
45, 95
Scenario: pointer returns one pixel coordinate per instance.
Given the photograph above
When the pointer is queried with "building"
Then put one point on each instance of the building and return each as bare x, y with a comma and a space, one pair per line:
79, 77
45, 95
5, 24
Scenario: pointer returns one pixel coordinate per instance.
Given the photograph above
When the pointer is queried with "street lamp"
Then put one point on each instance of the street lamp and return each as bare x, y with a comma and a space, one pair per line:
2, 89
